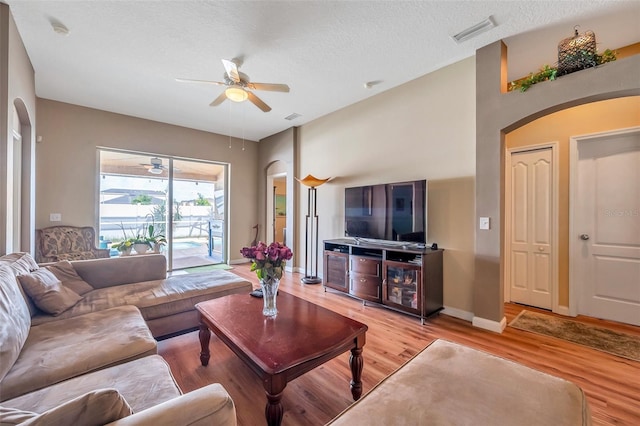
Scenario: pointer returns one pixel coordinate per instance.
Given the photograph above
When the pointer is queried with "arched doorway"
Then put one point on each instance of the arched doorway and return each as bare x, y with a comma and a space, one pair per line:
277, 212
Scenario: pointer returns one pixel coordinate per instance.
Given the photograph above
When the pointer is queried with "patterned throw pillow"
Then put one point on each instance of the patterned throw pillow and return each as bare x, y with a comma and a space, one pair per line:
47, 291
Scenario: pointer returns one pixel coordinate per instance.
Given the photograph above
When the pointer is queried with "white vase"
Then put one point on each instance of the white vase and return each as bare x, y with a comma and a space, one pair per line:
126, 252
141, 248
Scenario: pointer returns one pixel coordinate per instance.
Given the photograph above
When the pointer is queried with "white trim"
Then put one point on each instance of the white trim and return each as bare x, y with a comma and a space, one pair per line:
238, 261
574, 286
563, 310
555, 170
495, 326
458, 313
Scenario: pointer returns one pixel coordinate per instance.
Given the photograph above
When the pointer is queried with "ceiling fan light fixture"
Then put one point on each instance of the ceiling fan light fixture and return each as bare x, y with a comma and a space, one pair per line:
155, 171
236, 94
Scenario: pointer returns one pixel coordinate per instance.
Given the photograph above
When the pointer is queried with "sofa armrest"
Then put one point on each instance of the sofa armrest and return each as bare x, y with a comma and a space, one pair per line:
97, 407
101, 273
210, 405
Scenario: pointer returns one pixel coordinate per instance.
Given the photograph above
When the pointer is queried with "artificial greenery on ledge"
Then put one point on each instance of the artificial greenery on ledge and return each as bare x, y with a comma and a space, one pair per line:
550, 73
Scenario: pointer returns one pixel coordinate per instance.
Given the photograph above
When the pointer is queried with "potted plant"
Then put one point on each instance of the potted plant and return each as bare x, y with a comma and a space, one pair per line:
156, 240
124, 247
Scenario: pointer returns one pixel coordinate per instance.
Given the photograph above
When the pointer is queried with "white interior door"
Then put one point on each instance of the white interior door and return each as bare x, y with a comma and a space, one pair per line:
531, 230
605, 239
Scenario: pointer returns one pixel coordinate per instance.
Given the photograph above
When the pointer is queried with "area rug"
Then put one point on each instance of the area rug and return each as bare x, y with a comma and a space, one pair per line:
602, 339
208, 268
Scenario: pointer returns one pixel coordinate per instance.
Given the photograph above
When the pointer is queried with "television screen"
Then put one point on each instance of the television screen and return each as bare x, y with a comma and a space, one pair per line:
392, 211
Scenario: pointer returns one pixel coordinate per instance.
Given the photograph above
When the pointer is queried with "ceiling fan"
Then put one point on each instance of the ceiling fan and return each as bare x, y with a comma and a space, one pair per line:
237, 84
155, 166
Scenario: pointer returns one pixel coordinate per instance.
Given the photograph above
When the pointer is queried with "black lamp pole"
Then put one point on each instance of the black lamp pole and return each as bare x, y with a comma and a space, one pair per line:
311, 240
311, 231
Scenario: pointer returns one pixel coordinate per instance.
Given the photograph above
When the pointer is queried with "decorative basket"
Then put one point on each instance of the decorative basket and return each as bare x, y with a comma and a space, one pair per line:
577, 53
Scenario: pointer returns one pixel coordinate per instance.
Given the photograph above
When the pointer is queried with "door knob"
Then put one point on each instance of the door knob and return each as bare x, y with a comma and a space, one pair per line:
584, 237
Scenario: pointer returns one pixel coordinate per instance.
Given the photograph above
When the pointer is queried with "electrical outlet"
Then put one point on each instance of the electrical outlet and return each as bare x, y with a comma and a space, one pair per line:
55, 217
485, 223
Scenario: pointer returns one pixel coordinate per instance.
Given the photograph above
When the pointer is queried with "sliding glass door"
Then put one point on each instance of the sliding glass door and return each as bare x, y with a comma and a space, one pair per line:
177, 205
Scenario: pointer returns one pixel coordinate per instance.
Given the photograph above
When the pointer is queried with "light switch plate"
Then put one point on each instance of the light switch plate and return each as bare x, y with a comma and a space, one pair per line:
485, 223
55, 217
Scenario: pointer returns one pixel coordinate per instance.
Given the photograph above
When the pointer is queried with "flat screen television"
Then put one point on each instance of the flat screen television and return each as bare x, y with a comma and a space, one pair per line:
390, 211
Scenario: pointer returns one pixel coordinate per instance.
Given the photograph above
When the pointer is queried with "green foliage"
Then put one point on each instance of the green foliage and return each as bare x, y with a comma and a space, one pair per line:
142, 199
545, 73
201, 201
550, 73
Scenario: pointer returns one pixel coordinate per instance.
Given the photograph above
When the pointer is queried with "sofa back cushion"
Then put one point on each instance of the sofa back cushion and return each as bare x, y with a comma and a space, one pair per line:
15, 320
22, 263
101, 273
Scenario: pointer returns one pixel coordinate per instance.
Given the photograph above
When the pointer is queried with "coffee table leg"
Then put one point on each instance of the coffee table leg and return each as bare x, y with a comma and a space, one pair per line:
274, 410
356, 362
205, 337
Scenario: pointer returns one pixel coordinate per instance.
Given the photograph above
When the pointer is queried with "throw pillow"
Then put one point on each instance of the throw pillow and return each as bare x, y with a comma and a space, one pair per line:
65, 272
93, 408
13, 416
15, 320
47, 291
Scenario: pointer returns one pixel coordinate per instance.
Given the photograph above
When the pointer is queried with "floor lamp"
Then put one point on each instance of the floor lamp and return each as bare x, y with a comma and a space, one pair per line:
311, 231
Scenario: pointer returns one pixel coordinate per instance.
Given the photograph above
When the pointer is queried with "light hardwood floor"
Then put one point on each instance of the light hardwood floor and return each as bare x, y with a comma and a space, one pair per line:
611, 383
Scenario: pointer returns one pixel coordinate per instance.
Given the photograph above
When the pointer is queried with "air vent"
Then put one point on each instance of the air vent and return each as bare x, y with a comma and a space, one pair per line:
471, 32
292, 116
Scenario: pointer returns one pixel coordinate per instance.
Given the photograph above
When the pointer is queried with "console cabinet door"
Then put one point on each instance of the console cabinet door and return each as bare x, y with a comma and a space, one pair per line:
336, 270
403, 286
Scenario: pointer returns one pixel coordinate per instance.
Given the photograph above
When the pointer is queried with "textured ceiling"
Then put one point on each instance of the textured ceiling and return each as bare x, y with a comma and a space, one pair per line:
124, 56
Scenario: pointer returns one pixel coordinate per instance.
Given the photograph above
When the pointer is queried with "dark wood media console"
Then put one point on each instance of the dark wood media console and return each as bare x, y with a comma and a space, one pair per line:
399, 277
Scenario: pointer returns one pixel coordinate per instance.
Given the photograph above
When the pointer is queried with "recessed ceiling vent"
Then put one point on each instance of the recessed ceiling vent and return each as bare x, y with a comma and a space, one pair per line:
475, 30
293, 116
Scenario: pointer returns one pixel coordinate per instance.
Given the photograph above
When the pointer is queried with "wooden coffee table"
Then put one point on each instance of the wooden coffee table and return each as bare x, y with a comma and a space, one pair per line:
298, 339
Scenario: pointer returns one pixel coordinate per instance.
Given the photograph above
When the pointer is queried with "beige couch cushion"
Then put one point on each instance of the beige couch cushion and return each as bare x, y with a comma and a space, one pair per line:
143, 383
47, 292
63, 349
161, 298
13, 416
15, 320
451, 384
99, 407
20, 263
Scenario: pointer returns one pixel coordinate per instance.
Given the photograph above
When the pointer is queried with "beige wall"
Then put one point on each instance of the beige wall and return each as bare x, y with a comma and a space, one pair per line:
67, 169
499, 113
560, 126
17, 93
424, 129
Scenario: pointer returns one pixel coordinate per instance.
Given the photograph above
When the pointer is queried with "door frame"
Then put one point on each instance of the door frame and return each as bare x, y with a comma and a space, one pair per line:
554, 146
574, 142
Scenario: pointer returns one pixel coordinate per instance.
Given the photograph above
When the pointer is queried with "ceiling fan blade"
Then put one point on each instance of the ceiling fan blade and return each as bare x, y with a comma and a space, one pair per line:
270, 87
217, 101
232, 70
188, 80
258, 102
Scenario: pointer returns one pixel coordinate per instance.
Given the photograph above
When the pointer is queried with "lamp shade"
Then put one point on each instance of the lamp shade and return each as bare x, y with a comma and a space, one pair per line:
236, 94
312, 181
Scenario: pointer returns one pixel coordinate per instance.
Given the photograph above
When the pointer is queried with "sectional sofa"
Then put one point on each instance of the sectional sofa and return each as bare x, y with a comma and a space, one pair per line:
77, 342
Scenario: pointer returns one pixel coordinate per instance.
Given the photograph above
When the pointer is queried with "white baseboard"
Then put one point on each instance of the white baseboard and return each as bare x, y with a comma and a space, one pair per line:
238, 261
457, 313
495, 326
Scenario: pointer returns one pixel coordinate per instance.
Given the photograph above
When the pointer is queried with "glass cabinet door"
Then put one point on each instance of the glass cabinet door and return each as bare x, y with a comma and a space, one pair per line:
402, 286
